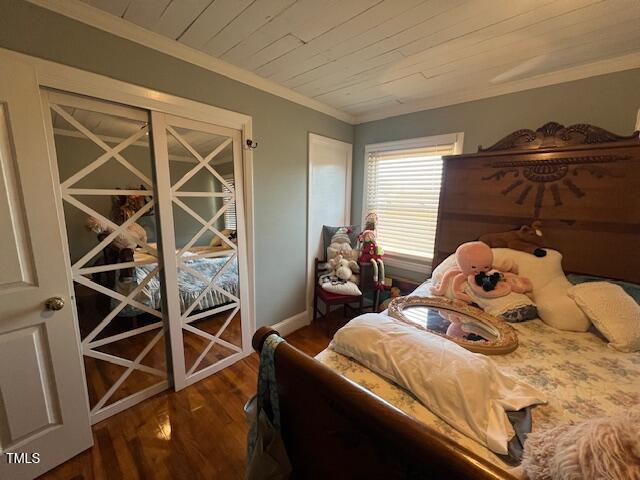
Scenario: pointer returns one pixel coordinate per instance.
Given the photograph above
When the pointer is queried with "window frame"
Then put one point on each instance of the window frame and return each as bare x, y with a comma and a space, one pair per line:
398, 260
229, 177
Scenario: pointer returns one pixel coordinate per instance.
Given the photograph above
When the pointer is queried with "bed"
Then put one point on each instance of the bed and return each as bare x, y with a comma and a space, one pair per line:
190, 286
340, 420
580, 375
199, 263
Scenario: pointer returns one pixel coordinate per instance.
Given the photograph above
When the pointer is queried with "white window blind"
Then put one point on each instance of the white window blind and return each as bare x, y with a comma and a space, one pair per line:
403, 189
230, 212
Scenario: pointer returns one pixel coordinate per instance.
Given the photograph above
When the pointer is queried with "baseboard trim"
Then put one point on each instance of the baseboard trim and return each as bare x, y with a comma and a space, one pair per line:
291, 324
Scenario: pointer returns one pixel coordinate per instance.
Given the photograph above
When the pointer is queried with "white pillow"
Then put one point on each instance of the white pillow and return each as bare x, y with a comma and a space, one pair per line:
347, 288
441, 269
550, 286
614, 313
464, 389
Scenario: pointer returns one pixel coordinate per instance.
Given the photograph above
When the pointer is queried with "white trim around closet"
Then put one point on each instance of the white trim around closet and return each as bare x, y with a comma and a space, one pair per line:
73, 80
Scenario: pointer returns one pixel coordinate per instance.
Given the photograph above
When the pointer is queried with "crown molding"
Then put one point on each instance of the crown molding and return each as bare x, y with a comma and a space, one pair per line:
95, 17
601, 67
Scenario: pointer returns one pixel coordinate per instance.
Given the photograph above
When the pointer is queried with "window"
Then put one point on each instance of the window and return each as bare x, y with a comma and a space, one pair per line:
402, 186
230, 213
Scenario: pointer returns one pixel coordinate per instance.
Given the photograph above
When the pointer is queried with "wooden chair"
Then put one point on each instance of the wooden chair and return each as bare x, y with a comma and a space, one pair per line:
330, 299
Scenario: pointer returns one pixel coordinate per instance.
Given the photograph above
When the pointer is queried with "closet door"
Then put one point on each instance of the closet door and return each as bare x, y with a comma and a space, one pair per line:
105, 170
199, 175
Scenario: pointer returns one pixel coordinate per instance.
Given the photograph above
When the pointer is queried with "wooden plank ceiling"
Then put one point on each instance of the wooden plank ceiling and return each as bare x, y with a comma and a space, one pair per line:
364, 56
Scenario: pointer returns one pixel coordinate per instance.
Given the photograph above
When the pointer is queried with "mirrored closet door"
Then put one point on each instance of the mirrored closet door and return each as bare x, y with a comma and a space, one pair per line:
204, 248
152, 209
105, 167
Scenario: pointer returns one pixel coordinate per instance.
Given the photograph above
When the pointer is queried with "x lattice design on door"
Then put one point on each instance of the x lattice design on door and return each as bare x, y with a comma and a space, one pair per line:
233, 305
79, 270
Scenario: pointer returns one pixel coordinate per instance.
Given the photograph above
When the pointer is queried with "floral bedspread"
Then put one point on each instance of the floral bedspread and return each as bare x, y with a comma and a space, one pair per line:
580, 374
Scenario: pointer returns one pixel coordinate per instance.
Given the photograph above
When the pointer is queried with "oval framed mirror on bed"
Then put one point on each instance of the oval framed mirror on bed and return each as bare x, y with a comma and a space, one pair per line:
468, 326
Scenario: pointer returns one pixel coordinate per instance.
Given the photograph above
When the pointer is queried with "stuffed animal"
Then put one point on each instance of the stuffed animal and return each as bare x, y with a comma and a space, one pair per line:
395, 293
344, 269
371, 252
123, 207
132, 236
456, 322
341, 245
341, 279
371, 221
526, 239
475, 269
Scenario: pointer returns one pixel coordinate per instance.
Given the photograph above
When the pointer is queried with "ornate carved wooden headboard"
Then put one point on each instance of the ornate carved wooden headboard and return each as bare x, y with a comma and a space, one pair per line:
581, 181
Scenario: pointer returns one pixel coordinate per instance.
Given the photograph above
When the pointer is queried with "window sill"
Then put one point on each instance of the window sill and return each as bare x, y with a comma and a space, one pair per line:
409, 263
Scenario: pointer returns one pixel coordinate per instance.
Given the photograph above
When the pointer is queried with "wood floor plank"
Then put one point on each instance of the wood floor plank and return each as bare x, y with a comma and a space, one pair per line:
197, 433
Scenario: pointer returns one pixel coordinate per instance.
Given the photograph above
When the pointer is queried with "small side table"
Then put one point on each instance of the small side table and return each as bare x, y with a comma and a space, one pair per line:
405, 285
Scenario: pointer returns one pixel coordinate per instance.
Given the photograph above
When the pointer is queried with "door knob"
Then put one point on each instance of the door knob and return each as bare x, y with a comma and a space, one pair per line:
54, 303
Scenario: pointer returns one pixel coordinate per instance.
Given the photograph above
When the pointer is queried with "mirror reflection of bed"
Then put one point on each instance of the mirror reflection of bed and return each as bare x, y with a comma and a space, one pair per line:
210, 312
93, 307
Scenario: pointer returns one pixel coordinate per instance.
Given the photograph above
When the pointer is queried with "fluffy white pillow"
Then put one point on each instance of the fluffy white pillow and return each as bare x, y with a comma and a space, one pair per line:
464, 389
612, 311
550, 286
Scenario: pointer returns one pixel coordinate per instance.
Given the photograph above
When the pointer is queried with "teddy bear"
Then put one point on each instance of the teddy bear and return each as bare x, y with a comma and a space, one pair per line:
526, 239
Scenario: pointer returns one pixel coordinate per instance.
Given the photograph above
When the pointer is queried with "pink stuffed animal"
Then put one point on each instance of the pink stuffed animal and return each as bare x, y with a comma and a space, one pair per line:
474, 262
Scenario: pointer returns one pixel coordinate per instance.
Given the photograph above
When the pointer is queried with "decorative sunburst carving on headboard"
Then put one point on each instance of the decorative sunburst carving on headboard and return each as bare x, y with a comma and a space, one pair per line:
531, 180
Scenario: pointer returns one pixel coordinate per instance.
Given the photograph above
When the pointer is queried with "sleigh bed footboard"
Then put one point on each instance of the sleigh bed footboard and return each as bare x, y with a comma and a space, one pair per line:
335, 429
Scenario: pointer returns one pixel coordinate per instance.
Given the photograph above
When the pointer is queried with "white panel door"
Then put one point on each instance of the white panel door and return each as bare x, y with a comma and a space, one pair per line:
44, 417
329, 193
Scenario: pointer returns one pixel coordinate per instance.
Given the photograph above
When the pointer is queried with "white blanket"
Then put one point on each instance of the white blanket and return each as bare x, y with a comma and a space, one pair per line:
464, 389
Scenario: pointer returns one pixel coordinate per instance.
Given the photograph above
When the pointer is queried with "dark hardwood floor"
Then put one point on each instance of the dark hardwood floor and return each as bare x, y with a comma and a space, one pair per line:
197, 433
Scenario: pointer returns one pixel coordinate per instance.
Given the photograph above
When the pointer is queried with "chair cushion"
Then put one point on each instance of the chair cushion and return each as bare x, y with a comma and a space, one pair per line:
335, 297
